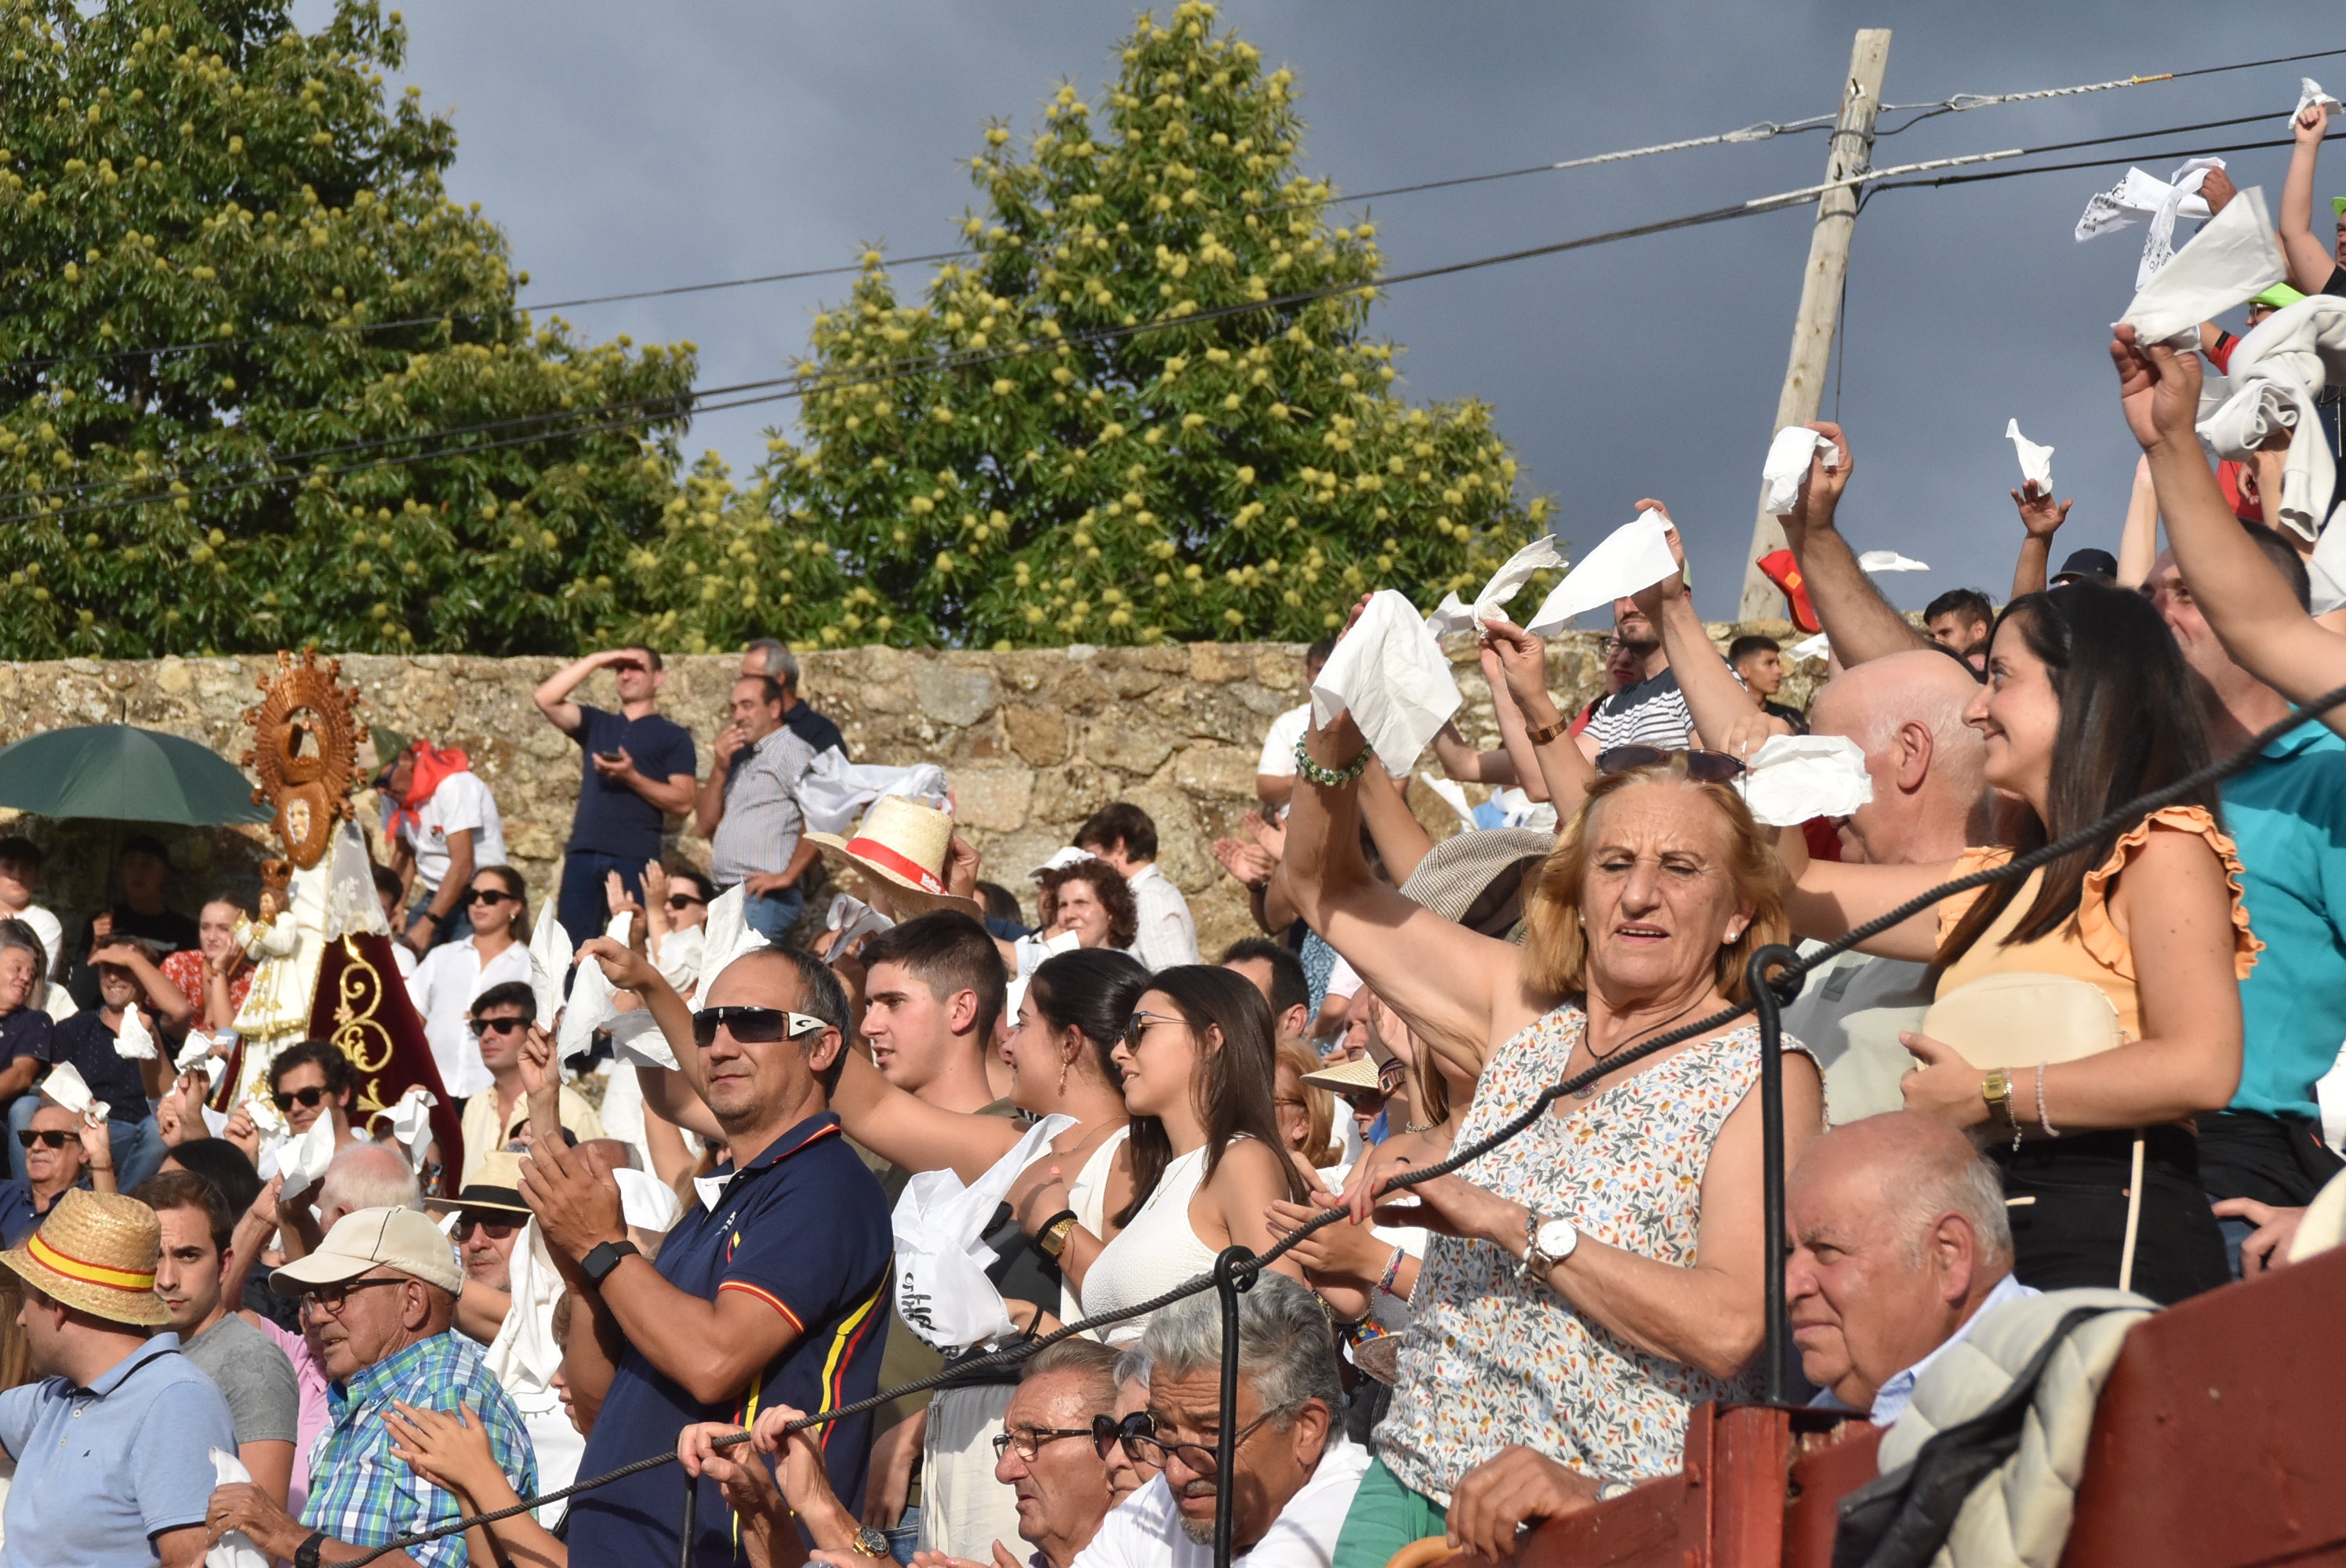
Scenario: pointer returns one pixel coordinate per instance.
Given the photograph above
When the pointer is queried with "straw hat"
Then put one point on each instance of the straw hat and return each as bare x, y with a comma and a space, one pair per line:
1475, 874
495, 1188
97, 1253
905, 845
1357, 1077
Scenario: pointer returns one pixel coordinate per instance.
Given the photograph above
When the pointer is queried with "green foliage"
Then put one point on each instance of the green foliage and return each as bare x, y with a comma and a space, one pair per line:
181, 173
1009, 462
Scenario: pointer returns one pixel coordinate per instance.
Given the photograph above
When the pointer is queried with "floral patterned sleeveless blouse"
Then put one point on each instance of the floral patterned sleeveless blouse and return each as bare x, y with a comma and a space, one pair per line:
1493, 1359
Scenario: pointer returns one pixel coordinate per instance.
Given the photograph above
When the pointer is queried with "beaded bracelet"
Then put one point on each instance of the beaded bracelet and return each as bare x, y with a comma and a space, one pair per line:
1329, 778
1392, 1271
2043, 1121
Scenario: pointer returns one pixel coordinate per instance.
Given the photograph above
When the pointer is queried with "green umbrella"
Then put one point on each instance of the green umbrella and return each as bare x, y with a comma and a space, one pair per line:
121, 773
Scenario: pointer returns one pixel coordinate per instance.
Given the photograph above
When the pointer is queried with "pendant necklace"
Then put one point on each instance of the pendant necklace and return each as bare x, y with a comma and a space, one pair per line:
1588, 1090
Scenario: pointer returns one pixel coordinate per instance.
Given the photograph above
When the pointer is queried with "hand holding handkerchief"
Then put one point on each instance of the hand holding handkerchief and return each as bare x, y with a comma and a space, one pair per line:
1793, 778
1542, 553
2035, 462
303, 1161
411, 1124
2233, 257
134, 1041
1633, 557
550, 964
2309, 93
1388, 672
1787, 465
65, 1086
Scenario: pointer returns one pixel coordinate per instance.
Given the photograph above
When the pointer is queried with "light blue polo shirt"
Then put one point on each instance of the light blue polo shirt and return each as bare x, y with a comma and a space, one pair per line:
2287, 812
103, 1469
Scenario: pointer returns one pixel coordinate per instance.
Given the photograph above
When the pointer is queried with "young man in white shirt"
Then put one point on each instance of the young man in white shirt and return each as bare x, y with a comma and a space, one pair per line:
1274, 774
443, 825
1123, 836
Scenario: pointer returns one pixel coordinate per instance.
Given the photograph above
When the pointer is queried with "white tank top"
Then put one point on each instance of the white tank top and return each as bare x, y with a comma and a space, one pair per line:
1088, 1195
1158, 1250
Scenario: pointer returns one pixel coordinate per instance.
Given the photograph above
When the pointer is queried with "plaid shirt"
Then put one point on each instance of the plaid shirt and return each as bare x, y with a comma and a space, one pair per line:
363, 1494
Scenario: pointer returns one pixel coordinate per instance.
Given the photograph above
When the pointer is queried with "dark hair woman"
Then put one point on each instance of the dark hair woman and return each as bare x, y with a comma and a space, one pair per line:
2088, 705
1091, 899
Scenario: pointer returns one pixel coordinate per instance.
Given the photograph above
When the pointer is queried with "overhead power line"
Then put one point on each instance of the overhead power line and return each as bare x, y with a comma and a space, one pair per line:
1963, 103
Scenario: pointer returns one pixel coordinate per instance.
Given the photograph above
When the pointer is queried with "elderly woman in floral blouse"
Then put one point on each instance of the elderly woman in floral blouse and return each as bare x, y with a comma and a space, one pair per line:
1593, 1279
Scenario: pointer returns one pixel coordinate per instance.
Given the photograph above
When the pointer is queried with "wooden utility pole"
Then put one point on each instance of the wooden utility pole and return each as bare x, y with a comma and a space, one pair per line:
1820, 317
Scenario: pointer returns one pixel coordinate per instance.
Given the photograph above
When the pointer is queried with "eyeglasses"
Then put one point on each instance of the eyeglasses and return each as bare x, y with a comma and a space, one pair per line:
1144, 1445
484, 1027
1703, 767
751, 1025
47, 1137
497, 1229
1030, 1442
684, 901
1139, 1022
333, 1298
489, 896
1108, 1431
308, 1098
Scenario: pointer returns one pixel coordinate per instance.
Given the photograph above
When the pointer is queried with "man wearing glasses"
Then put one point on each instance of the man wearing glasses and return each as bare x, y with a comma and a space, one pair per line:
379, 1301
311, 1080
1294, 1471
500, 1020
770, 1289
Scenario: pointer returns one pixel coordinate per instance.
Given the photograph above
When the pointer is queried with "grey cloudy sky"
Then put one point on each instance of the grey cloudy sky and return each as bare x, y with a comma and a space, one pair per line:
627, 146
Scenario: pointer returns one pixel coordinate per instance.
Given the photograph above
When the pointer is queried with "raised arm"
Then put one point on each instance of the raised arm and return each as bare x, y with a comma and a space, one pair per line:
552, 698
1451, 985
1725, 716
1829, 898
1468, 765
1860, 622
2245, 598
906, 1130
1515, 663
2139, 541
1401, 839
2041, 516
170, 1005
2310, 261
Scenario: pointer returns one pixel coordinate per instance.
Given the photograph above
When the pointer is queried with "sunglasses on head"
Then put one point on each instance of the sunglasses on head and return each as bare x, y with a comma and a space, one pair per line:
47, 1137
484, 1027
751, 1025
308, 1098
1703, 767
488, 896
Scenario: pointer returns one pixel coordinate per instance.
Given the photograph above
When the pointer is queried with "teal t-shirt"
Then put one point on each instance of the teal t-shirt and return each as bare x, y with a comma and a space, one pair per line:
2287, 812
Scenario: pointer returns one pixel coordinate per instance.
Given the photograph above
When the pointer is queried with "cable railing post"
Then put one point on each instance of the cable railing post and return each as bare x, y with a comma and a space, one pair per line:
1767, 1005
691, 1521
1231, 1277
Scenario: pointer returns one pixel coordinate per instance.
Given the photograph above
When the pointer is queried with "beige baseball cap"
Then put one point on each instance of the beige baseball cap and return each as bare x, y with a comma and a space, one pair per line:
401, 1239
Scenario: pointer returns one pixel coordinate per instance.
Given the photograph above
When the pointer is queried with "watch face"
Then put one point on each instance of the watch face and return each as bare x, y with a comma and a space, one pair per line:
871, 1542
1557, 1236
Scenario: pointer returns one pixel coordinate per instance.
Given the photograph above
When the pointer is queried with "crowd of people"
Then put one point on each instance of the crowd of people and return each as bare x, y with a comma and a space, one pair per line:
804, 1154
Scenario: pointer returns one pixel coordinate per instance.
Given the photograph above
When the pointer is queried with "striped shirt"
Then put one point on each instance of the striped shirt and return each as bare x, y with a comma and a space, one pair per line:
363, 1494
1651, 713
762, 821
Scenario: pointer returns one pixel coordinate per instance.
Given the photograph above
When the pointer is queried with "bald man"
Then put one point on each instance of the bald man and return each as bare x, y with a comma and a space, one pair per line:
1899, 1244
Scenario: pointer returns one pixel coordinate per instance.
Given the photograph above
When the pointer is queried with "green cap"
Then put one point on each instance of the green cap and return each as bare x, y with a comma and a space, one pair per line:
2338, 205
388, 744
2281, 297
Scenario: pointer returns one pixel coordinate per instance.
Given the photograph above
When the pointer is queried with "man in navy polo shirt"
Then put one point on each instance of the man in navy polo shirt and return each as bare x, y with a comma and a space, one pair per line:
638, 767
772, 1289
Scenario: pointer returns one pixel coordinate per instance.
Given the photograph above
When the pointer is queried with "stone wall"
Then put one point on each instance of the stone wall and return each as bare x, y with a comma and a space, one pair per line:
1032, 742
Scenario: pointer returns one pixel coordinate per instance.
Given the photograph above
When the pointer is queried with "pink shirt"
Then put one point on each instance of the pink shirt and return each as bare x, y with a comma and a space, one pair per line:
310, 1374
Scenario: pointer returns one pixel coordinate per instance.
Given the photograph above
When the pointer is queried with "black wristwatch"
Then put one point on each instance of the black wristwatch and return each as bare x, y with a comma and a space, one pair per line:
306, 1554
604, 1256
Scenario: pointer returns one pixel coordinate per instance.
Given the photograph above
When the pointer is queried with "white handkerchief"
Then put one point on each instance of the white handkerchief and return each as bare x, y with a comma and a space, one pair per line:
66, 1087
2162, 201
235, 1549
1542, 554
411, 1124
2232, 258
848, 918
1816, 646
1454, 795
593, 1002
1059, 859
199, 1046
1889, 561
1633, 556
637, 1041
1787, 465
645, 1200
2035, 462
266, 1116
304, 1160
215, 1122
549, 961
1388, 674
729, 934
834, 793
132, 1040
2309, 91
1793, 778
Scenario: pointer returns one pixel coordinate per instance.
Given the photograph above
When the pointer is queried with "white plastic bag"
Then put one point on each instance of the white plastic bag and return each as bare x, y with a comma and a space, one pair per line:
942, 1290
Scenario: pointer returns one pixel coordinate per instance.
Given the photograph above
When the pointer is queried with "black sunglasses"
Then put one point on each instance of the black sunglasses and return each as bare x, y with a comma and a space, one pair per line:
1137, 1024
683, 901
751, 1025
498, 1229
485, 1026
308, 1098
490, 896
48, 1138
1703, 767
1108, 1431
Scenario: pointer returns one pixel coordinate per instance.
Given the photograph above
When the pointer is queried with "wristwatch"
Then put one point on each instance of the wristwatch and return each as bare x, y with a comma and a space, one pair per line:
1997, 1092
1548, 732
1053, 1237
306, 1554
604, 1256
1547, 1243
870, 1543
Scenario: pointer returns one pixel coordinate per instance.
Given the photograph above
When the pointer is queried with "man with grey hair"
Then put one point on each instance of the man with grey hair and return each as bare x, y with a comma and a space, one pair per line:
1900, 1242
772, 658
1294, 1471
